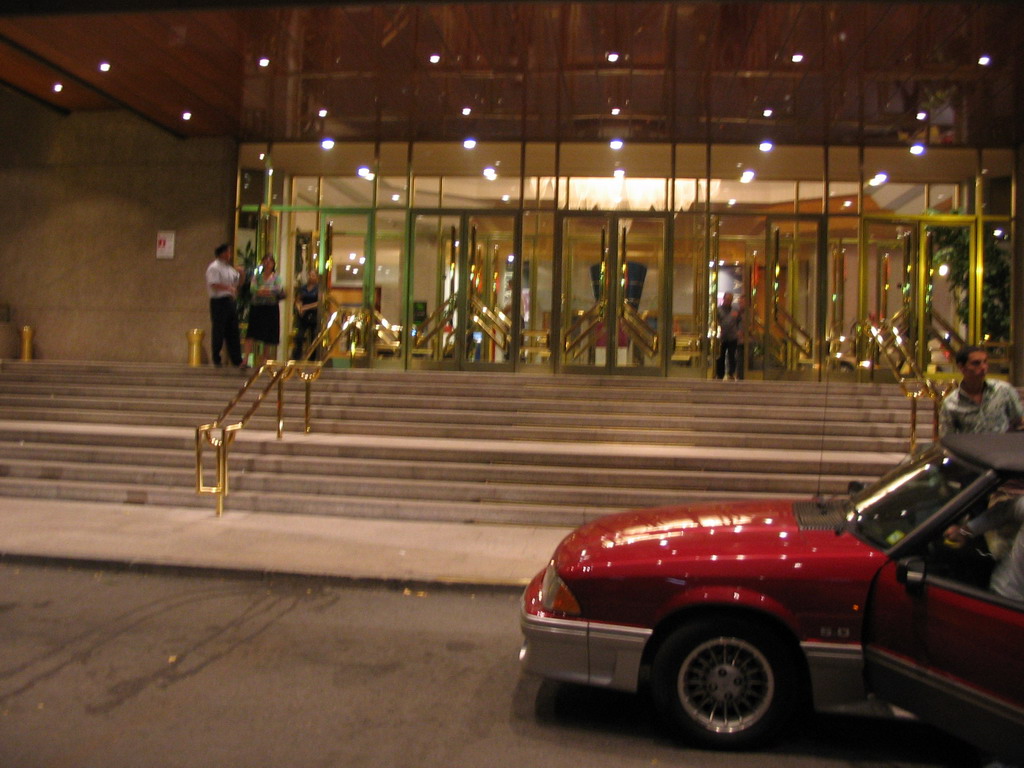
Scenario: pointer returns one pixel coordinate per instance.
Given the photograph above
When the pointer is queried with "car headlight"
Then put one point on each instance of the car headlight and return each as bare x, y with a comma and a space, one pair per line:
555, 595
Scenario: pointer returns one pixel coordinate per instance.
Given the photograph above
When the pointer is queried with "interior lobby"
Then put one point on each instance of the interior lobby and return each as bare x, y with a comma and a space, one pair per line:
566, 187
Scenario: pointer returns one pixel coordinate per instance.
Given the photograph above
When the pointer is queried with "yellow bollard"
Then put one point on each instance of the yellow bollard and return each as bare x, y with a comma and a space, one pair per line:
26, 342
195, 346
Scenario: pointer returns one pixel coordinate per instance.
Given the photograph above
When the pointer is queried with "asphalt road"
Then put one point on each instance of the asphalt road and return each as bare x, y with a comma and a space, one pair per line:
106, 669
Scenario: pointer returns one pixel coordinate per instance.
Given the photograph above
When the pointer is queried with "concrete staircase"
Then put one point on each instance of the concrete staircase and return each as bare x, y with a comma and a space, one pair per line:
511, 448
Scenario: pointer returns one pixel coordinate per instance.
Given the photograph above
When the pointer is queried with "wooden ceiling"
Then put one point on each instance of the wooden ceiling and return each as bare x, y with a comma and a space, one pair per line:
871, 73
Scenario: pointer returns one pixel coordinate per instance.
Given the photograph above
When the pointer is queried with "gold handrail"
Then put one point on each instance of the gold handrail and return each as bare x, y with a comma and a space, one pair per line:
219, 435
638, 329
584, 327
915, 386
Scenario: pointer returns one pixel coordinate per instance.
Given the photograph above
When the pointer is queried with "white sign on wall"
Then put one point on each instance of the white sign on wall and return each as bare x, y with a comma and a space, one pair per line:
165, 245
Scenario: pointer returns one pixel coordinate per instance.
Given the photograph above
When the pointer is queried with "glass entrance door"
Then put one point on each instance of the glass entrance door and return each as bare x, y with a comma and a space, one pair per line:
919, 296
612, 269
464, 272
770, 267
787, 297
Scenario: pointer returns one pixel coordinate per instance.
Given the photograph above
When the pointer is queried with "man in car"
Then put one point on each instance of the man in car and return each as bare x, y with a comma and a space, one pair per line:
983, 405
979, 404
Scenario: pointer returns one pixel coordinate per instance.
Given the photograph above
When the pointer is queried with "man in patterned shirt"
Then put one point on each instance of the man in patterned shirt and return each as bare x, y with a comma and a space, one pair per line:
979, 404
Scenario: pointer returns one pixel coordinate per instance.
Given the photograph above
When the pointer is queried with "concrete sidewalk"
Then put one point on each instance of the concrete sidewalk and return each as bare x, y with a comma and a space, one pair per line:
245, 542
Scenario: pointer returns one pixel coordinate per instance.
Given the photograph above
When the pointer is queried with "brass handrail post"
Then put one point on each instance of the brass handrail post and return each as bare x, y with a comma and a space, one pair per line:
280, 402
309, 394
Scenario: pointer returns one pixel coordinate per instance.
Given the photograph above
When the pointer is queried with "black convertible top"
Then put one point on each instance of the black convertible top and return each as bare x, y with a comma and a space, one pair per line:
1001, 451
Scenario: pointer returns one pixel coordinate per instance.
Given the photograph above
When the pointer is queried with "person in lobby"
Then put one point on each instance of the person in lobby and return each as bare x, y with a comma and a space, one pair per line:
222, 280
730, 319
264, 327
307, 305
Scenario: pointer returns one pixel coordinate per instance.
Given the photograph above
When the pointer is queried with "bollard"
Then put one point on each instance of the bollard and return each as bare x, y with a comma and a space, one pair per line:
195, 346
26, 342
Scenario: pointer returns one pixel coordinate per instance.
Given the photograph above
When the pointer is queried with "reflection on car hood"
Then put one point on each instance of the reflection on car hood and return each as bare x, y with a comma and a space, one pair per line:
714, 530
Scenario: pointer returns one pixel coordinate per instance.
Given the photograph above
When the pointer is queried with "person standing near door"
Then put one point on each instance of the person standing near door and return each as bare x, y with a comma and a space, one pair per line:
307, 304
730, 320
222, 279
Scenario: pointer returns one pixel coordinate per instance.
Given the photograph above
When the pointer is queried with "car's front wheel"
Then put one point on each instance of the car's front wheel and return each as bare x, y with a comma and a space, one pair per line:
726, 683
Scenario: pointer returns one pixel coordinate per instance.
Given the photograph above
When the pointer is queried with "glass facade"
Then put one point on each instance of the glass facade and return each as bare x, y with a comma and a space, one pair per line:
600, 257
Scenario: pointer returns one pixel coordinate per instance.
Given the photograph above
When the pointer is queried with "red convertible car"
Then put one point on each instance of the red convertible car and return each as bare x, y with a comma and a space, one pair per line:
734, 615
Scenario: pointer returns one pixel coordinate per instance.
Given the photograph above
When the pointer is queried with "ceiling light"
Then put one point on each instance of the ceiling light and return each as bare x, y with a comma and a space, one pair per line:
847, 203
747, 176
732, 201
612, 57
615, 143
322, 113
505, 198
467, 111
997, 233
58, 87
469, 143
186, 115
616, 110
104, 66
327, 143
766, 146
435, 58
796, 58
879, 179
984, 60
917, 149
490, 173
364, 172
619, 173
922, 115
395, 198
264, 61
768, 112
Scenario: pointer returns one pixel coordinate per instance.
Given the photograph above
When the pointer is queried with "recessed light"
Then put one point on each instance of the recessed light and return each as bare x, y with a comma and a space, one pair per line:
104, 66
917, 149
879, 179
796, 58
327, 143
612, 57
766, 146
186, 115
747, 176
364, 171
469, 143
984, 60
768, 112
615, 143
322, 113
619, 173
264, 61
616, 110
467, 111
922, 115
58, 87
490, 174
435, 58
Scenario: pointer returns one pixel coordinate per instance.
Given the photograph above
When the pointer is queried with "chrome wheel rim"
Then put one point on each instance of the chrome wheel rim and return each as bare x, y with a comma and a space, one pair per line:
726, 685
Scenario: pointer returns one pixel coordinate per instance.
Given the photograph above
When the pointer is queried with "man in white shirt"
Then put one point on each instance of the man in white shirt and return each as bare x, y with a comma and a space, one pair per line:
222, 279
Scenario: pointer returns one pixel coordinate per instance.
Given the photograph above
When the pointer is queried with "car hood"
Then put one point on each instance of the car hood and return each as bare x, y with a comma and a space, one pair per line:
717, 530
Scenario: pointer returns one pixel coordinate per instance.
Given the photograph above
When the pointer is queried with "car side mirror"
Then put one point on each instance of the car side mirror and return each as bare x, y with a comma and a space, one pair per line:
911, 572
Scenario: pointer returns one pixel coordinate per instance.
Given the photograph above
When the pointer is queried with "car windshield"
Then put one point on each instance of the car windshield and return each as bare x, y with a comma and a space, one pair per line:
887, 511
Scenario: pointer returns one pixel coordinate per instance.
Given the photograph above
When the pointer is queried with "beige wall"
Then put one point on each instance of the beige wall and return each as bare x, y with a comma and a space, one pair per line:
83, 198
